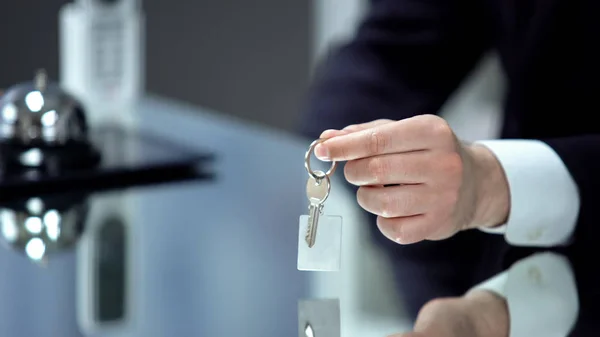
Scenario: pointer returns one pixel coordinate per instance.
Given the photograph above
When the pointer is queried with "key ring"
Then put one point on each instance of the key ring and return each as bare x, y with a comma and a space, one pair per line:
307, 156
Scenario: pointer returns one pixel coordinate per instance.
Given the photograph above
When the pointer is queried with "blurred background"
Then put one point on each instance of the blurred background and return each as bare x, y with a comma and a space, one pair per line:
219, 54
214, 258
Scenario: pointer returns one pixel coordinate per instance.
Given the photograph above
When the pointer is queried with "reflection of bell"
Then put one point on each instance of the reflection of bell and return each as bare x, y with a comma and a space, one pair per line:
40, 227
42, 124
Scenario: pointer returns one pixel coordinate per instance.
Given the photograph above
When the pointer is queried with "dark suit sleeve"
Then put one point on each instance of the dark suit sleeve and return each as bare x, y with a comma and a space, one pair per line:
581, 155
406, 58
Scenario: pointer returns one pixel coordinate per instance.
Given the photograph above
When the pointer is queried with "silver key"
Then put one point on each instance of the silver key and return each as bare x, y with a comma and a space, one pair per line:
320, 251
317, 191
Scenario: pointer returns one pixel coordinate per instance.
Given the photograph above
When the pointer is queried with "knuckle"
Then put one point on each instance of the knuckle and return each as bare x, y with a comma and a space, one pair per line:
428, 118
440, 128
377, 168
435, 306
383, 121
453, 164
377, 142
452, 197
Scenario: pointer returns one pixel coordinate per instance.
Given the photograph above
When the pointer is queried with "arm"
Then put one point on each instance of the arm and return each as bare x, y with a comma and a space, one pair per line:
541, 295
406, 59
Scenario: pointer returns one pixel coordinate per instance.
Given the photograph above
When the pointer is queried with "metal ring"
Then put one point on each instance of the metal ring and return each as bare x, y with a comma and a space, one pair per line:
307, 156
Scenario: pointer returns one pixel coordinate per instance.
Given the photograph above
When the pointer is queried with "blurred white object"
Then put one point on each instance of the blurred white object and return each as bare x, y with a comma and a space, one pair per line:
102, 56
475, 109
334, 22
102, 64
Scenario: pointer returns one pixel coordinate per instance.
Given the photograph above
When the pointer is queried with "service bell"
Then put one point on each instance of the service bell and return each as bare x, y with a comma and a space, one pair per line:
40, 122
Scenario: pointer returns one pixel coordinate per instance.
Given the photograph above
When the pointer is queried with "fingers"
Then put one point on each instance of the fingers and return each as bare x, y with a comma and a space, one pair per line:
353, 128
368, 125
484, 315
406, 168
406, 230
396, 201
411, 134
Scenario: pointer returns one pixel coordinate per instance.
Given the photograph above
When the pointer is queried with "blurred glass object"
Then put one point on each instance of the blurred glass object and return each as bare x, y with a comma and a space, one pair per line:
110, 269
102, 58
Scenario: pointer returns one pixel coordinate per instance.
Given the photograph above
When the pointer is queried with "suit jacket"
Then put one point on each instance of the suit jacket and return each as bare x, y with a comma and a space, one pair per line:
408, 56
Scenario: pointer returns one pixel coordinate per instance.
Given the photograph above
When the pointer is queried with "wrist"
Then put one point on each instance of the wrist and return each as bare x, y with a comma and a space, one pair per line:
491, 188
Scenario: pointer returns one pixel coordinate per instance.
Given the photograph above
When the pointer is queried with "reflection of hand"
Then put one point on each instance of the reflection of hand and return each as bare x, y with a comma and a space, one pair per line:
480, 313
439, 184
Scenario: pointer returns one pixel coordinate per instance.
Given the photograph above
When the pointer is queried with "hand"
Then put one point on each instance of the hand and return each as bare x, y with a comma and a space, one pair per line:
477, 314
421, 181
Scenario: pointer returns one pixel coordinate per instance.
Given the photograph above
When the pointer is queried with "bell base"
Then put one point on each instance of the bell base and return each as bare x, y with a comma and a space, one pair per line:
50, 160
114, 159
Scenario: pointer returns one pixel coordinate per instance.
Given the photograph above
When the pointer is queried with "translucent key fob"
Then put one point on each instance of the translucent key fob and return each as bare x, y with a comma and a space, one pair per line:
319, 318
326, 253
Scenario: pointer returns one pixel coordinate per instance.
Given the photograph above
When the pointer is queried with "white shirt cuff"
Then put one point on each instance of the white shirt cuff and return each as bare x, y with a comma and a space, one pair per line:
541, 295
544, 200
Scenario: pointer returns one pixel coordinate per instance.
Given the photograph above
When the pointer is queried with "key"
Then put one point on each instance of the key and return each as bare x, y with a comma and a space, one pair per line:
319, 235
317, 191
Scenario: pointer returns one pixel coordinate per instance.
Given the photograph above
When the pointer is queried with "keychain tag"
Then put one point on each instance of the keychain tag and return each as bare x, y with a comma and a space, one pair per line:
319, 318
326, 253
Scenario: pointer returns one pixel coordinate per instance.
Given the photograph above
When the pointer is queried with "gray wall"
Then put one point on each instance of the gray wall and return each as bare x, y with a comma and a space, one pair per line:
249, 59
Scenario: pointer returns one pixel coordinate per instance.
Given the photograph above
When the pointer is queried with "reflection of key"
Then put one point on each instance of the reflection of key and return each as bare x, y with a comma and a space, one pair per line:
317, 191
308, 331
319, 318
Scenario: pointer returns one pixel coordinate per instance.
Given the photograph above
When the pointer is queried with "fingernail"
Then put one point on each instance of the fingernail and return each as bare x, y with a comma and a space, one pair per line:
387, 232
390, 233
322, 152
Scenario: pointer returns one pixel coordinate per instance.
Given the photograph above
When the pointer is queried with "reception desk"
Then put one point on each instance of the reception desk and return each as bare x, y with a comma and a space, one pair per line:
214, 258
